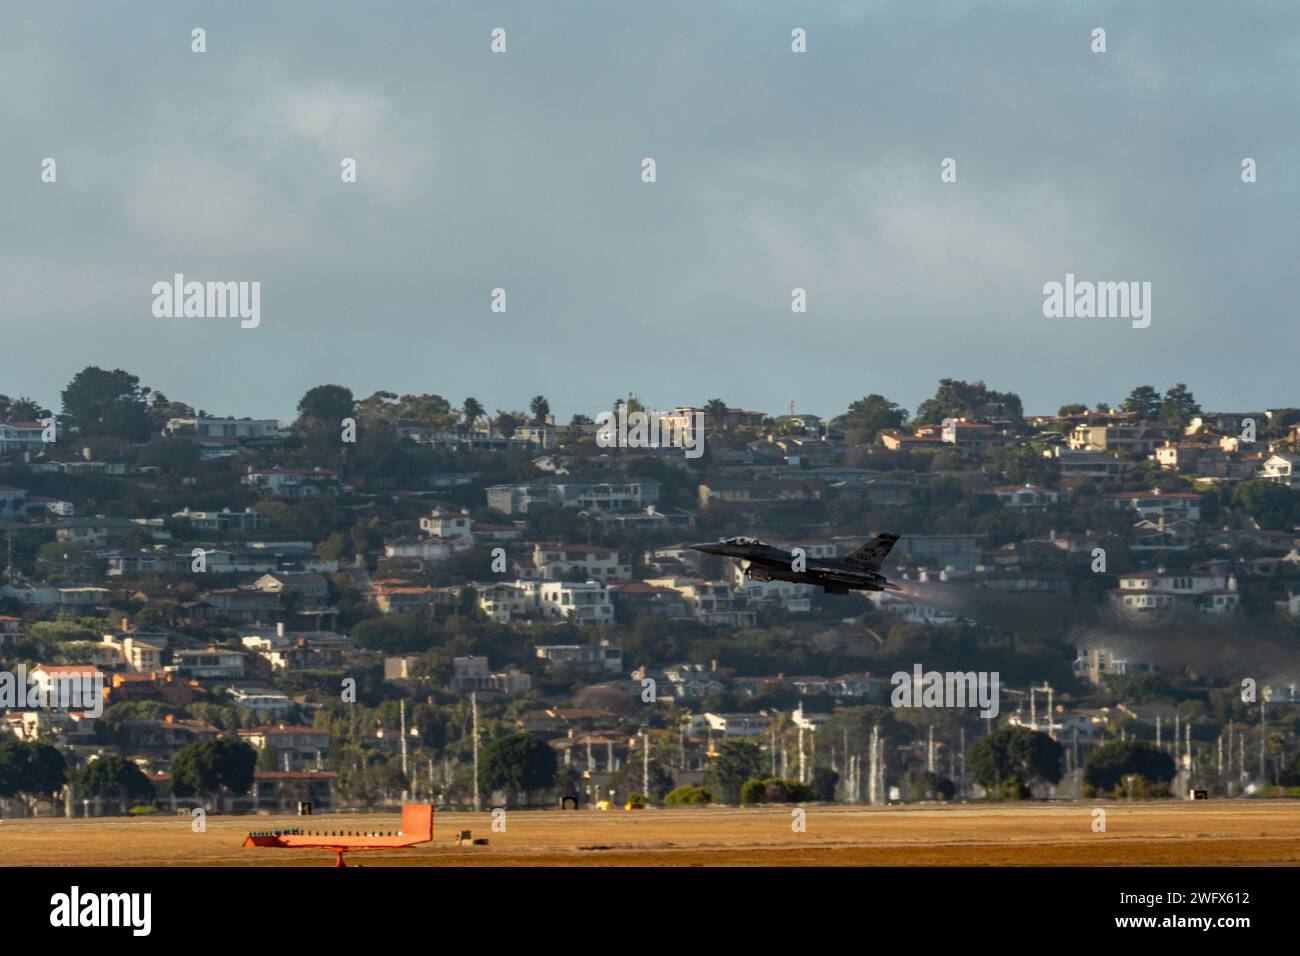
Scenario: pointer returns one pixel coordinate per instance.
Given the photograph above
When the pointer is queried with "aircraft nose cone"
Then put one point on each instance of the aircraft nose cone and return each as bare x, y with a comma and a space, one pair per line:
708, 548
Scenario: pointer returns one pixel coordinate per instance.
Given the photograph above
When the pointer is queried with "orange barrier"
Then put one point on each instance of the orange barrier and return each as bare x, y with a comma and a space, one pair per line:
417, 827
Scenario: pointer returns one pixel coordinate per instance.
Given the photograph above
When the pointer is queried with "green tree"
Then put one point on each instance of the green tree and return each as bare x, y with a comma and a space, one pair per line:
539, 407
576, 432
752, 791
736, 762
686, 795
268, 758
69, 561
472, 410
507, 424
21, 410
1272, 504
958, 399
1015, 752
32, 770
824, 782
1144, 400
326, 405
107, 404
374, 781
213, 767
930, 786
178, 456
517, 764
1178, 407
869, 416
114, 778
334, 548
162, 410
1110, 763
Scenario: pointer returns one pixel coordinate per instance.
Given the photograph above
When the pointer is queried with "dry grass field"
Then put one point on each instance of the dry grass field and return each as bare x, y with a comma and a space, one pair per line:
1215, 833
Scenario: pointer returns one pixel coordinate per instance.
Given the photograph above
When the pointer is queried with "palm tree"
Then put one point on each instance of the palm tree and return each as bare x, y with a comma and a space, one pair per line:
472, 412
716, 410
539, 407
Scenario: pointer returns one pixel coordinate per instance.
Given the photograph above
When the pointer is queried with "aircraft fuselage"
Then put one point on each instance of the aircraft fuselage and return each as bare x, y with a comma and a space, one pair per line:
763, 562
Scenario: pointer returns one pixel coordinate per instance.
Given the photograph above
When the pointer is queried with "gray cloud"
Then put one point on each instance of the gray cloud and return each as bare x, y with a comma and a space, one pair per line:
775, 171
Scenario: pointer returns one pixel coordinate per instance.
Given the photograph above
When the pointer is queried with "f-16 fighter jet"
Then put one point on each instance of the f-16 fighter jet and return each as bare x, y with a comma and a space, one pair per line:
859, 571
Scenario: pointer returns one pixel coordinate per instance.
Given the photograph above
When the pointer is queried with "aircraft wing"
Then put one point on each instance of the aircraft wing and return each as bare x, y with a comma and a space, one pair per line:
417, 827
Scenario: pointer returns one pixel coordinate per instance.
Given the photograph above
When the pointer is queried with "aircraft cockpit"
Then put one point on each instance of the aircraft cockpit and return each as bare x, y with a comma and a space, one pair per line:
741, 541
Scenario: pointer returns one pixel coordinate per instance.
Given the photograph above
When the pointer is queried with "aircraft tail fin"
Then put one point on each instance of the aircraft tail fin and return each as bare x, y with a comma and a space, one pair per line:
417, 822
874, 552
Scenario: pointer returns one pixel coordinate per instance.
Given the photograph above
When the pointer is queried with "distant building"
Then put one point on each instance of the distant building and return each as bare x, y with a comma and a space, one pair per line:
1087, 464
22, 436
448, 524
555, 562
63, 598
415, 599
583, 602
729, 725
13, 502
584, 657
1026, 496
1119, 439
630, 494
1155, 504
209, 664
1155, 590
223, 520
961, 552
473, 674
633, 599
711, 602
296, 747
261, 701
1097, 663
504, 601
1283, 469
292, 482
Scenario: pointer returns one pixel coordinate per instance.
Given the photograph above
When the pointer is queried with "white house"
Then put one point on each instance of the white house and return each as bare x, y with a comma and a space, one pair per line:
19, 437
503, 602
556, 561
223, 520
597, 657
447, 524
1025, 496
292, 482
730, 725
1284, 469
1153, 590
1157, 504
584, 602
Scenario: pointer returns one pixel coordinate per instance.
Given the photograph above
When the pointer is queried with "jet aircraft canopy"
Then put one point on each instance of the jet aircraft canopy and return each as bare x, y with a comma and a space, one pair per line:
741, 541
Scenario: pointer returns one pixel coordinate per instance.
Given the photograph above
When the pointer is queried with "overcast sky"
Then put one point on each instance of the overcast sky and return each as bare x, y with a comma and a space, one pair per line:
775, 170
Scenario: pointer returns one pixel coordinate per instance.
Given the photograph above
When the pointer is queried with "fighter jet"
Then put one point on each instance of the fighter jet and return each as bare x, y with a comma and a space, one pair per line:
859, 571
